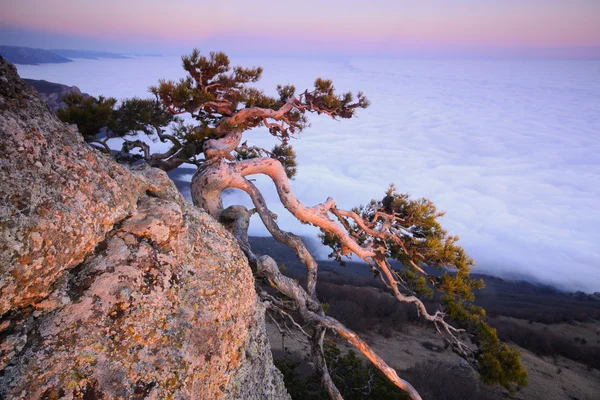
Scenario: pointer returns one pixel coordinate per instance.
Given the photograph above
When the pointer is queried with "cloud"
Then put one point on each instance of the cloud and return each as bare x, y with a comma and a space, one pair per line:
508, 148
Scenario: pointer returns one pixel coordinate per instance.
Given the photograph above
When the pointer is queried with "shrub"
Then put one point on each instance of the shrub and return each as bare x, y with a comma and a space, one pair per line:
354, 379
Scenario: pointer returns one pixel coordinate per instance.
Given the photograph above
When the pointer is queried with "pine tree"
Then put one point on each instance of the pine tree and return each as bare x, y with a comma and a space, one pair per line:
224, 106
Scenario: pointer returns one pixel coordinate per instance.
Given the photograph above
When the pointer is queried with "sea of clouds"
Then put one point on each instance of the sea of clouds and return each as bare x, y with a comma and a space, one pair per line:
510, 149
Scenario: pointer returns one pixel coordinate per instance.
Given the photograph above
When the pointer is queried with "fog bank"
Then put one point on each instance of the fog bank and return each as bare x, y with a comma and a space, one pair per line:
508, 148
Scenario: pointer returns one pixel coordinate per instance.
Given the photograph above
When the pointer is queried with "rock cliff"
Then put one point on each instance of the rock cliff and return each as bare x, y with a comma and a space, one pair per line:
53, 93
111, 284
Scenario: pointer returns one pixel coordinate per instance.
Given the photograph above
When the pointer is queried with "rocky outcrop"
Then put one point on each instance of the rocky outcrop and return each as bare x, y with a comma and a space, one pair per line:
53, 93
111, 284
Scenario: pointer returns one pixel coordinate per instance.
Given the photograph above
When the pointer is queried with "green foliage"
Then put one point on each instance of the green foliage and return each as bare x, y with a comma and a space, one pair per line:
213, 90
286, 155
330, 240
215, 94
94, 115
497, 363
415, 281
286, 92
414, 236
144, 115
299, 387
323, 97
90, 114
354, 379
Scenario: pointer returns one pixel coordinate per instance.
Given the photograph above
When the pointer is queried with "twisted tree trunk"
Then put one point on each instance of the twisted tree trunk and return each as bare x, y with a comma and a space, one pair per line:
207, 186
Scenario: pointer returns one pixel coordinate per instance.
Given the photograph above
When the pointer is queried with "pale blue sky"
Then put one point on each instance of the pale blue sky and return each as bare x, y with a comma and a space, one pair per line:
334, 26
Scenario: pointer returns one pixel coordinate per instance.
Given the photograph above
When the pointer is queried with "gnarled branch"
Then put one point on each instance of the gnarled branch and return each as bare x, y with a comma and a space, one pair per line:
237, 218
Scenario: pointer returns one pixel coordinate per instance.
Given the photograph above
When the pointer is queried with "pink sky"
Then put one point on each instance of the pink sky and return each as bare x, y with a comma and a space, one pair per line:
381, 26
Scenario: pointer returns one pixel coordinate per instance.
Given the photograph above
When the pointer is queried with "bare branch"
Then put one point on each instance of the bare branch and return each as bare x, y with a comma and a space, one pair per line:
129, 145
436, 318
233, 175
267, 268
102, 143
309, 308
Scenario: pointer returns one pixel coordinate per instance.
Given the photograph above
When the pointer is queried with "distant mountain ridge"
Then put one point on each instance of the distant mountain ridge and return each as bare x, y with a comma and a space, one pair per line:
30, 56
33, 56
87, 54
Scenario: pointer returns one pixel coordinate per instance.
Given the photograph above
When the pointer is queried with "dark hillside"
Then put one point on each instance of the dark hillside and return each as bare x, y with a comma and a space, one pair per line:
517, 299
87, 54
548, 322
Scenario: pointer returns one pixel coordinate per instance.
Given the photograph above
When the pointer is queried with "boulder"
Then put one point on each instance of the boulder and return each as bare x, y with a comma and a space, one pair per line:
112, 285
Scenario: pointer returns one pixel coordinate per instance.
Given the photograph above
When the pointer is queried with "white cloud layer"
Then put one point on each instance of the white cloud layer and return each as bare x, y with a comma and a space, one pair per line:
508, 148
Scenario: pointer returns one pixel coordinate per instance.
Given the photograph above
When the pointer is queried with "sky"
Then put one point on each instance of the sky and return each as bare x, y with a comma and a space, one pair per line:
554, 28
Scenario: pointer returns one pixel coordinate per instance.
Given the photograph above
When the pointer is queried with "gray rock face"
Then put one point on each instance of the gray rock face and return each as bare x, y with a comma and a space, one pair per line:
58, 197
257, 378
111, 284
53, 93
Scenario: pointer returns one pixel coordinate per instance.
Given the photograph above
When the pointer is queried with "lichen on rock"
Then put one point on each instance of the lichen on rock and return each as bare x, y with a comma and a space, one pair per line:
112, 285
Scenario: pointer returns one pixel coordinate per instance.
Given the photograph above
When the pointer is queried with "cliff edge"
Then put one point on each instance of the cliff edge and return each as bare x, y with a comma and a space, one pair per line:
53, 93
111, 284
